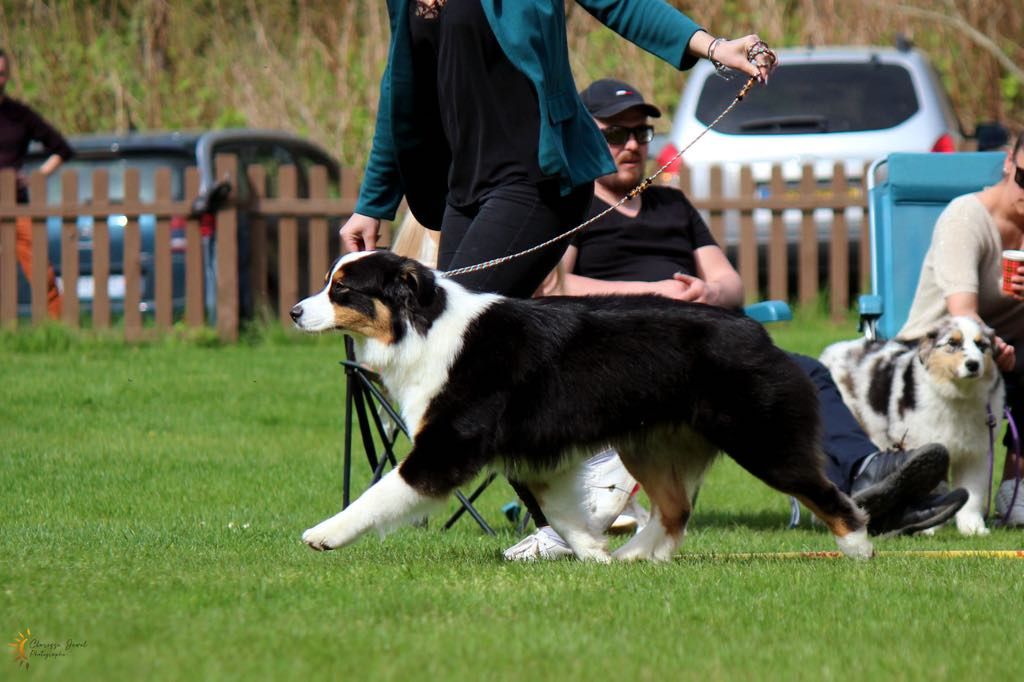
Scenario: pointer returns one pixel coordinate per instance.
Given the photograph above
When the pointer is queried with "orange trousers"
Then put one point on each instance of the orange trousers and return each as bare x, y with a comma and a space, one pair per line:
23, 248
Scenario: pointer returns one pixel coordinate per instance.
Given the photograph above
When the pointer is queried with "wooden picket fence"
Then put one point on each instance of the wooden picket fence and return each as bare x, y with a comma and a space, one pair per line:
319, 212
806, 196
319, 215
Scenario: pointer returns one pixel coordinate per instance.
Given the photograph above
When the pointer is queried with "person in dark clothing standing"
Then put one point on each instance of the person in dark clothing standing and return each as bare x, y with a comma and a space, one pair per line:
480, 128
19, 126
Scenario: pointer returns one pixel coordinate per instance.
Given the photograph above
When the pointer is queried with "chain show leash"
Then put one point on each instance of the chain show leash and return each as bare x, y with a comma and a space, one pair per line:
759, 48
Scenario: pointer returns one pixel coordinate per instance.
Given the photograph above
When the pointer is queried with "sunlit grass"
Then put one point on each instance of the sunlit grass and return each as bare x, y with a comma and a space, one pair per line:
153, 498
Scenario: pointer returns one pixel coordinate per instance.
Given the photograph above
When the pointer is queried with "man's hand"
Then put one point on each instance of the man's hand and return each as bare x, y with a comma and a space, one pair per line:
359, 233
682, 288
697, 290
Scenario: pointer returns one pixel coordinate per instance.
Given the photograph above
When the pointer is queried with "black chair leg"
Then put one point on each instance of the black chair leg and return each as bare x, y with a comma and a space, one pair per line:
365, 399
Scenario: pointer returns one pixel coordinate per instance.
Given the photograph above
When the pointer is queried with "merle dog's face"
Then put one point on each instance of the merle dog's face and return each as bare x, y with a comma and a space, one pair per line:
375, 294
959, 348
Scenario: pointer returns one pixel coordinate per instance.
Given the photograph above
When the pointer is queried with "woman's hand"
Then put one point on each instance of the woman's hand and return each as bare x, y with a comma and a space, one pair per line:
1005, 355
359, 233
747, 54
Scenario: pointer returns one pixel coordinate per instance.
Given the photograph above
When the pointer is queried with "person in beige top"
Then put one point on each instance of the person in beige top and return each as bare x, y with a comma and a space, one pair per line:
962, 275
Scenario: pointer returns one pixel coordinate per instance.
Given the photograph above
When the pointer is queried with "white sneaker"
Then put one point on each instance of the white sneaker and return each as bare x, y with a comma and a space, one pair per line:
609, 487
1003, 497
632, 519
544, 543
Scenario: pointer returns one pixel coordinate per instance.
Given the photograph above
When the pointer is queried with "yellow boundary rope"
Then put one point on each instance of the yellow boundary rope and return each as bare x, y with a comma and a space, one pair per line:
913, 553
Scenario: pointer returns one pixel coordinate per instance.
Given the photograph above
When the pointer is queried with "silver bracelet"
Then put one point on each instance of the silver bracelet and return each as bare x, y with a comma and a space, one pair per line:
720, 68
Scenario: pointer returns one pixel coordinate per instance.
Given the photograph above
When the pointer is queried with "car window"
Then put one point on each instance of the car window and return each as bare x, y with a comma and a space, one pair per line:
147, 166
814, 98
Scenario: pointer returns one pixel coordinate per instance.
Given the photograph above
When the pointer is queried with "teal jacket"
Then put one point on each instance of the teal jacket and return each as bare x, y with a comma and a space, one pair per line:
408, 160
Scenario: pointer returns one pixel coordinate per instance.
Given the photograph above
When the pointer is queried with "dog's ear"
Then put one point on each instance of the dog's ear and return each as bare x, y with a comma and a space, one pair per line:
926, 345
989, 332
418, 283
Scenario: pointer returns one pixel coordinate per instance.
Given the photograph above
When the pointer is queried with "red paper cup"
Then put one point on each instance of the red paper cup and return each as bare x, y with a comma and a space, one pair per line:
1012, 260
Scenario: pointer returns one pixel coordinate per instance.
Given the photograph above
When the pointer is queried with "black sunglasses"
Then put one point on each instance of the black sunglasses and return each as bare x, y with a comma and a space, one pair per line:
1018, 176
620, 134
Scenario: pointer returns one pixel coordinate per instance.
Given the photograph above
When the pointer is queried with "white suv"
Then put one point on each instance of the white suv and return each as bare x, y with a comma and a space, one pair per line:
822, 105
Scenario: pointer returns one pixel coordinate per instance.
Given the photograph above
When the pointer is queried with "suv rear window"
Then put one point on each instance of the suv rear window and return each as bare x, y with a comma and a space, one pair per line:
146, 163
814, 98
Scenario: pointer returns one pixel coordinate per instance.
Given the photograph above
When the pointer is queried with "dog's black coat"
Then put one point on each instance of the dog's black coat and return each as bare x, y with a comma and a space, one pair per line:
538, 378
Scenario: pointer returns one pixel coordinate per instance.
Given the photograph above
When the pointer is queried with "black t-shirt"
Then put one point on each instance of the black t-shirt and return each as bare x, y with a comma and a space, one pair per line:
653, 246
488, 109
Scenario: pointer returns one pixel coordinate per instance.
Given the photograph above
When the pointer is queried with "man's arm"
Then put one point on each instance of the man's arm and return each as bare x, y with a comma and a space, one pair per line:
723, 283
578, 285
51, 164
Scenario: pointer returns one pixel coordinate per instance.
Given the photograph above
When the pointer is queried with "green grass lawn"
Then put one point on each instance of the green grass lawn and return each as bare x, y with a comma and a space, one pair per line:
153, 500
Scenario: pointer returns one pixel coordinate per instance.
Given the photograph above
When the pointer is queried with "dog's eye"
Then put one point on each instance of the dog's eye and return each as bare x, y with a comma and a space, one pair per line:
982, 345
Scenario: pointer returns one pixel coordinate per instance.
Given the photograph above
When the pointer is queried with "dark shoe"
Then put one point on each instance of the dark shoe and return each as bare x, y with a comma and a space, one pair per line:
930, 512
894, 480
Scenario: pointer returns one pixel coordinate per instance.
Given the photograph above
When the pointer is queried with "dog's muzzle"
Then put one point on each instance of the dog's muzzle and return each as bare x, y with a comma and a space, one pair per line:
296, 312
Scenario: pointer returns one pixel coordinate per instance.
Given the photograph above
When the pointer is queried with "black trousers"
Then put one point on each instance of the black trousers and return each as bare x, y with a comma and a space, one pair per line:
507, 220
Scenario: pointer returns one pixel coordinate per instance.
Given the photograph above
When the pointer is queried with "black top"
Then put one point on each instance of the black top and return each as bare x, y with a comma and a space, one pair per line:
655, 245
19, 125
487, 108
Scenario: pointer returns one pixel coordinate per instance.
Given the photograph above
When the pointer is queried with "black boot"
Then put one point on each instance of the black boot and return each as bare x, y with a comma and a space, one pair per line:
893, 481
928, 513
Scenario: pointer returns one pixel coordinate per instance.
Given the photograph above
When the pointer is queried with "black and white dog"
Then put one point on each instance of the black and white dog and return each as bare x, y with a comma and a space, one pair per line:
938, 389
533, 387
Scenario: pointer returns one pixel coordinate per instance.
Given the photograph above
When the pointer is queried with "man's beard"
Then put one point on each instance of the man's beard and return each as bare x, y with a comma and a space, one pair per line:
621, 182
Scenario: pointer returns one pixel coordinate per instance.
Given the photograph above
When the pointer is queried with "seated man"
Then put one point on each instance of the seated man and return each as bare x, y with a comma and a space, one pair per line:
658, 243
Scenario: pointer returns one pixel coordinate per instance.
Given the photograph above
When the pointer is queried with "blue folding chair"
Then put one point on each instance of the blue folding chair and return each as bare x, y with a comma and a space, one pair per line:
906, 194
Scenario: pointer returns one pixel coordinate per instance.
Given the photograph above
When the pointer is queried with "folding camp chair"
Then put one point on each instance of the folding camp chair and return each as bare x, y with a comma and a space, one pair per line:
906, 194
379, 424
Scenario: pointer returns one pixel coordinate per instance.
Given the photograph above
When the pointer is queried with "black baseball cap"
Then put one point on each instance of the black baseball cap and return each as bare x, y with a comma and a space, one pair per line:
607, 97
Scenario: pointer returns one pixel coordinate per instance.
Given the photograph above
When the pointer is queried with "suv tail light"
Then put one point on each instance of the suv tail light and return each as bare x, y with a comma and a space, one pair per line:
207, 224
667, 152
944, 144
177, 234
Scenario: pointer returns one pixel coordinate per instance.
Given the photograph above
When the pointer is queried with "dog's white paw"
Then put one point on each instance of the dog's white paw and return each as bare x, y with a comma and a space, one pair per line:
856, 545
323, 536
971, 524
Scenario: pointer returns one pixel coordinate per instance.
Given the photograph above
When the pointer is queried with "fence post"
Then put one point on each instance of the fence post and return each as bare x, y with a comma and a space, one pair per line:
319, 259
195, 272
101, 249
808, 249
227, 252
287, 247
8, 255
778, 248
839, 248
163, 294
748, 238
69, 262
132, 259
40, 248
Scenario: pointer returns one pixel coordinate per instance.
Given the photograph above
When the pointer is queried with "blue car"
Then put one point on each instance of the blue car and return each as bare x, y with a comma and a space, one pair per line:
177, 151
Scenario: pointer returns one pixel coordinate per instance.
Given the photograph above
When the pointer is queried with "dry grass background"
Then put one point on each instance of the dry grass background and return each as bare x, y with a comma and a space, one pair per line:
313, 66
